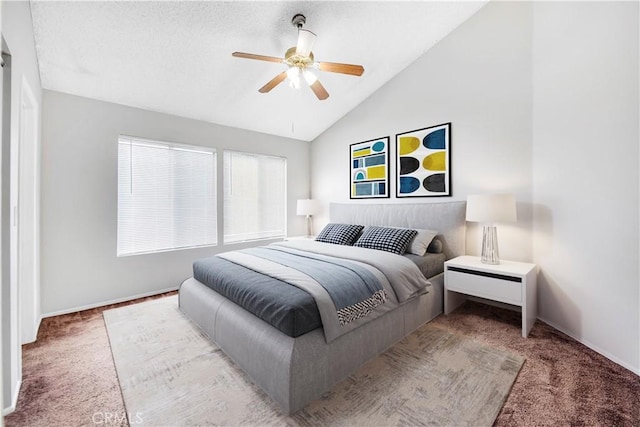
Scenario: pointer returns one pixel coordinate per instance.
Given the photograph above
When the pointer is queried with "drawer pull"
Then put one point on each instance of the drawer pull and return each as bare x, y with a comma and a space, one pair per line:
485, 274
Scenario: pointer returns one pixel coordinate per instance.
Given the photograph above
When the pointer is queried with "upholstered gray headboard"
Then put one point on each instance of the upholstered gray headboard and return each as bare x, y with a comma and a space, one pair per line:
448, 218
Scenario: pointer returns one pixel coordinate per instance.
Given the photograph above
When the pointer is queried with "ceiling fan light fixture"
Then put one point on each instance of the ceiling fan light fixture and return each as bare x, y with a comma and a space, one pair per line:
309, 77
293, 74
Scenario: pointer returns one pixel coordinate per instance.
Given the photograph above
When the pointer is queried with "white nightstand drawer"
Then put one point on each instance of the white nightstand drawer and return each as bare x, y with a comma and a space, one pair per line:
492, 286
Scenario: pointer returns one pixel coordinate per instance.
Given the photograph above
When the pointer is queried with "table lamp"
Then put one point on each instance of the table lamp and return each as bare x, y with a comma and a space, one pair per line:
489, 209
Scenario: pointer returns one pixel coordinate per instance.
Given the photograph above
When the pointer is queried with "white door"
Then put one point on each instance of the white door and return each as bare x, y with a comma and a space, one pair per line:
1, 302
11, 349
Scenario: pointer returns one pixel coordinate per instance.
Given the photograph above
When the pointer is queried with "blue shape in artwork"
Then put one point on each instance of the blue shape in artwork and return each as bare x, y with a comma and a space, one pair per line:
409, 184
363, 189
360, 175
355, 164
375, 160
378, 146
382, 188
435, 140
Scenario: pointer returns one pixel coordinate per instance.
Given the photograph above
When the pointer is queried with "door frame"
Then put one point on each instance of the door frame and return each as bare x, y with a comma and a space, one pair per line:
27, 215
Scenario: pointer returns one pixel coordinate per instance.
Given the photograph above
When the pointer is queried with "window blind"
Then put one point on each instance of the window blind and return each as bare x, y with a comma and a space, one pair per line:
254, 196
166, 196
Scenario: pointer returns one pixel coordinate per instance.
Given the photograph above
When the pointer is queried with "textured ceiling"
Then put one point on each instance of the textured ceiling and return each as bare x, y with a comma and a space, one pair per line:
175, 57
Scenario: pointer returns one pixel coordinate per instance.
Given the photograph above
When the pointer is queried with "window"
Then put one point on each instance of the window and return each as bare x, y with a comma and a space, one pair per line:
254, 196
166, 196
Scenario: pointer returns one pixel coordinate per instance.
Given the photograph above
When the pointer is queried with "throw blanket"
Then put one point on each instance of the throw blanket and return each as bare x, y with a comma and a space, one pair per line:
354, 290
350, 289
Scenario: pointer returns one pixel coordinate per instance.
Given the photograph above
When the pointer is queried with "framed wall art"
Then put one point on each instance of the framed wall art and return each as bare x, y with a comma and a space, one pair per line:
369, 169
423, 162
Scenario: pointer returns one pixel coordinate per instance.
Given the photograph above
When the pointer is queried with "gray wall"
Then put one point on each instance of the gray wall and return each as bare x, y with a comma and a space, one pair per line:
585, 142
543, 100
79, 198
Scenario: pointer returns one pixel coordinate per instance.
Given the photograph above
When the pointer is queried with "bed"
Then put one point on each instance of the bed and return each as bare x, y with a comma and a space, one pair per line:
296, 367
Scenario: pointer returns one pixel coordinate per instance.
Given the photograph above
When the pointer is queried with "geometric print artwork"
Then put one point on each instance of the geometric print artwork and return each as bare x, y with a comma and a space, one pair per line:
423, 166
369, 169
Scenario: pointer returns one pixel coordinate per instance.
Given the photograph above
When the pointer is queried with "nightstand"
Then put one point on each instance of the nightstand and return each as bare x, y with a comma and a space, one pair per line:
508, 282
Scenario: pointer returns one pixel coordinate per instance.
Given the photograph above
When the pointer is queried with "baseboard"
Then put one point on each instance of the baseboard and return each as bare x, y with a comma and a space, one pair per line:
38, 325
14, 401
33, 338
103, 303
634, 369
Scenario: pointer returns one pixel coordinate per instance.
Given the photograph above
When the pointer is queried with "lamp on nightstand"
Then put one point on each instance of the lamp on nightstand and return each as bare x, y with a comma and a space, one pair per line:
307, 207
489, 209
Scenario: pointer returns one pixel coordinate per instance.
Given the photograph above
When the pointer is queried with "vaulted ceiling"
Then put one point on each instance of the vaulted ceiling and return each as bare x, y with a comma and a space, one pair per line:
175, 57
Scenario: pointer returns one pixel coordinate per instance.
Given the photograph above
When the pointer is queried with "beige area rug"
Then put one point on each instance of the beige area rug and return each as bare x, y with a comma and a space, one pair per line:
171, 374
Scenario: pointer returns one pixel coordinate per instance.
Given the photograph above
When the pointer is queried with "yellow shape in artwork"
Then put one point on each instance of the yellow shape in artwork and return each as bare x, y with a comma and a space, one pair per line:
435, 161
376, 172
362, 152
408, 144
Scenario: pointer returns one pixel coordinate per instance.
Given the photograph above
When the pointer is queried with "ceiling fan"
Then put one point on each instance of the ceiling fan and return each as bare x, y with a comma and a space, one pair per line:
300, 62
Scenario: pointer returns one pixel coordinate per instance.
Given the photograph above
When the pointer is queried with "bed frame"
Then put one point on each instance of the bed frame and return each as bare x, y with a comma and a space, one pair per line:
295, 371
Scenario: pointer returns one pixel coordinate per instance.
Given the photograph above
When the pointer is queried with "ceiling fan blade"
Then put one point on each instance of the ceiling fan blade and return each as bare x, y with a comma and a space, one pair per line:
319, 90
258, 57
306, 40
273, 82
334, 67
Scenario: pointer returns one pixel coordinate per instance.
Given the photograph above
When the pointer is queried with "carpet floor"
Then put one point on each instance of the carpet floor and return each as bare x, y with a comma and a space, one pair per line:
69, 377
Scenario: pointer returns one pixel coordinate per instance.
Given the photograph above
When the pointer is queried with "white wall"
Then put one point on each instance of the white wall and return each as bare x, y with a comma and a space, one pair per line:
478, 78
543, 100
79, 198
17, 31
585, 156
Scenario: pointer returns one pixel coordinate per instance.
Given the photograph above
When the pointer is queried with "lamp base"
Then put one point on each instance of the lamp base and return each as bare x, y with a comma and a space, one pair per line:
490, 245
309, 227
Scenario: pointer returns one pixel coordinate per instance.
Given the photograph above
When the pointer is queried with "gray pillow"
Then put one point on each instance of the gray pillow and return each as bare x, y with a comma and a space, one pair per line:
419, 244
435, 247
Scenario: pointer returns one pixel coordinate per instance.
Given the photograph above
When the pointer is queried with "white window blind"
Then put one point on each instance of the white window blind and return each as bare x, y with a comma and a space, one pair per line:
166, 196
254, 196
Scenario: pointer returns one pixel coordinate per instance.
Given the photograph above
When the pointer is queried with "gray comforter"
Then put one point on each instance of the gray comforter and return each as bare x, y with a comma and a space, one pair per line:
387, 279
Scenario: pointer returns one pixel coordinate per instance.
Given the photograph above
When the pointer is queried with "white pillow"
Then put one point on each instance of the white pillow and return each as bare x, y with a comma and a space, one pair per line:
419, 244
